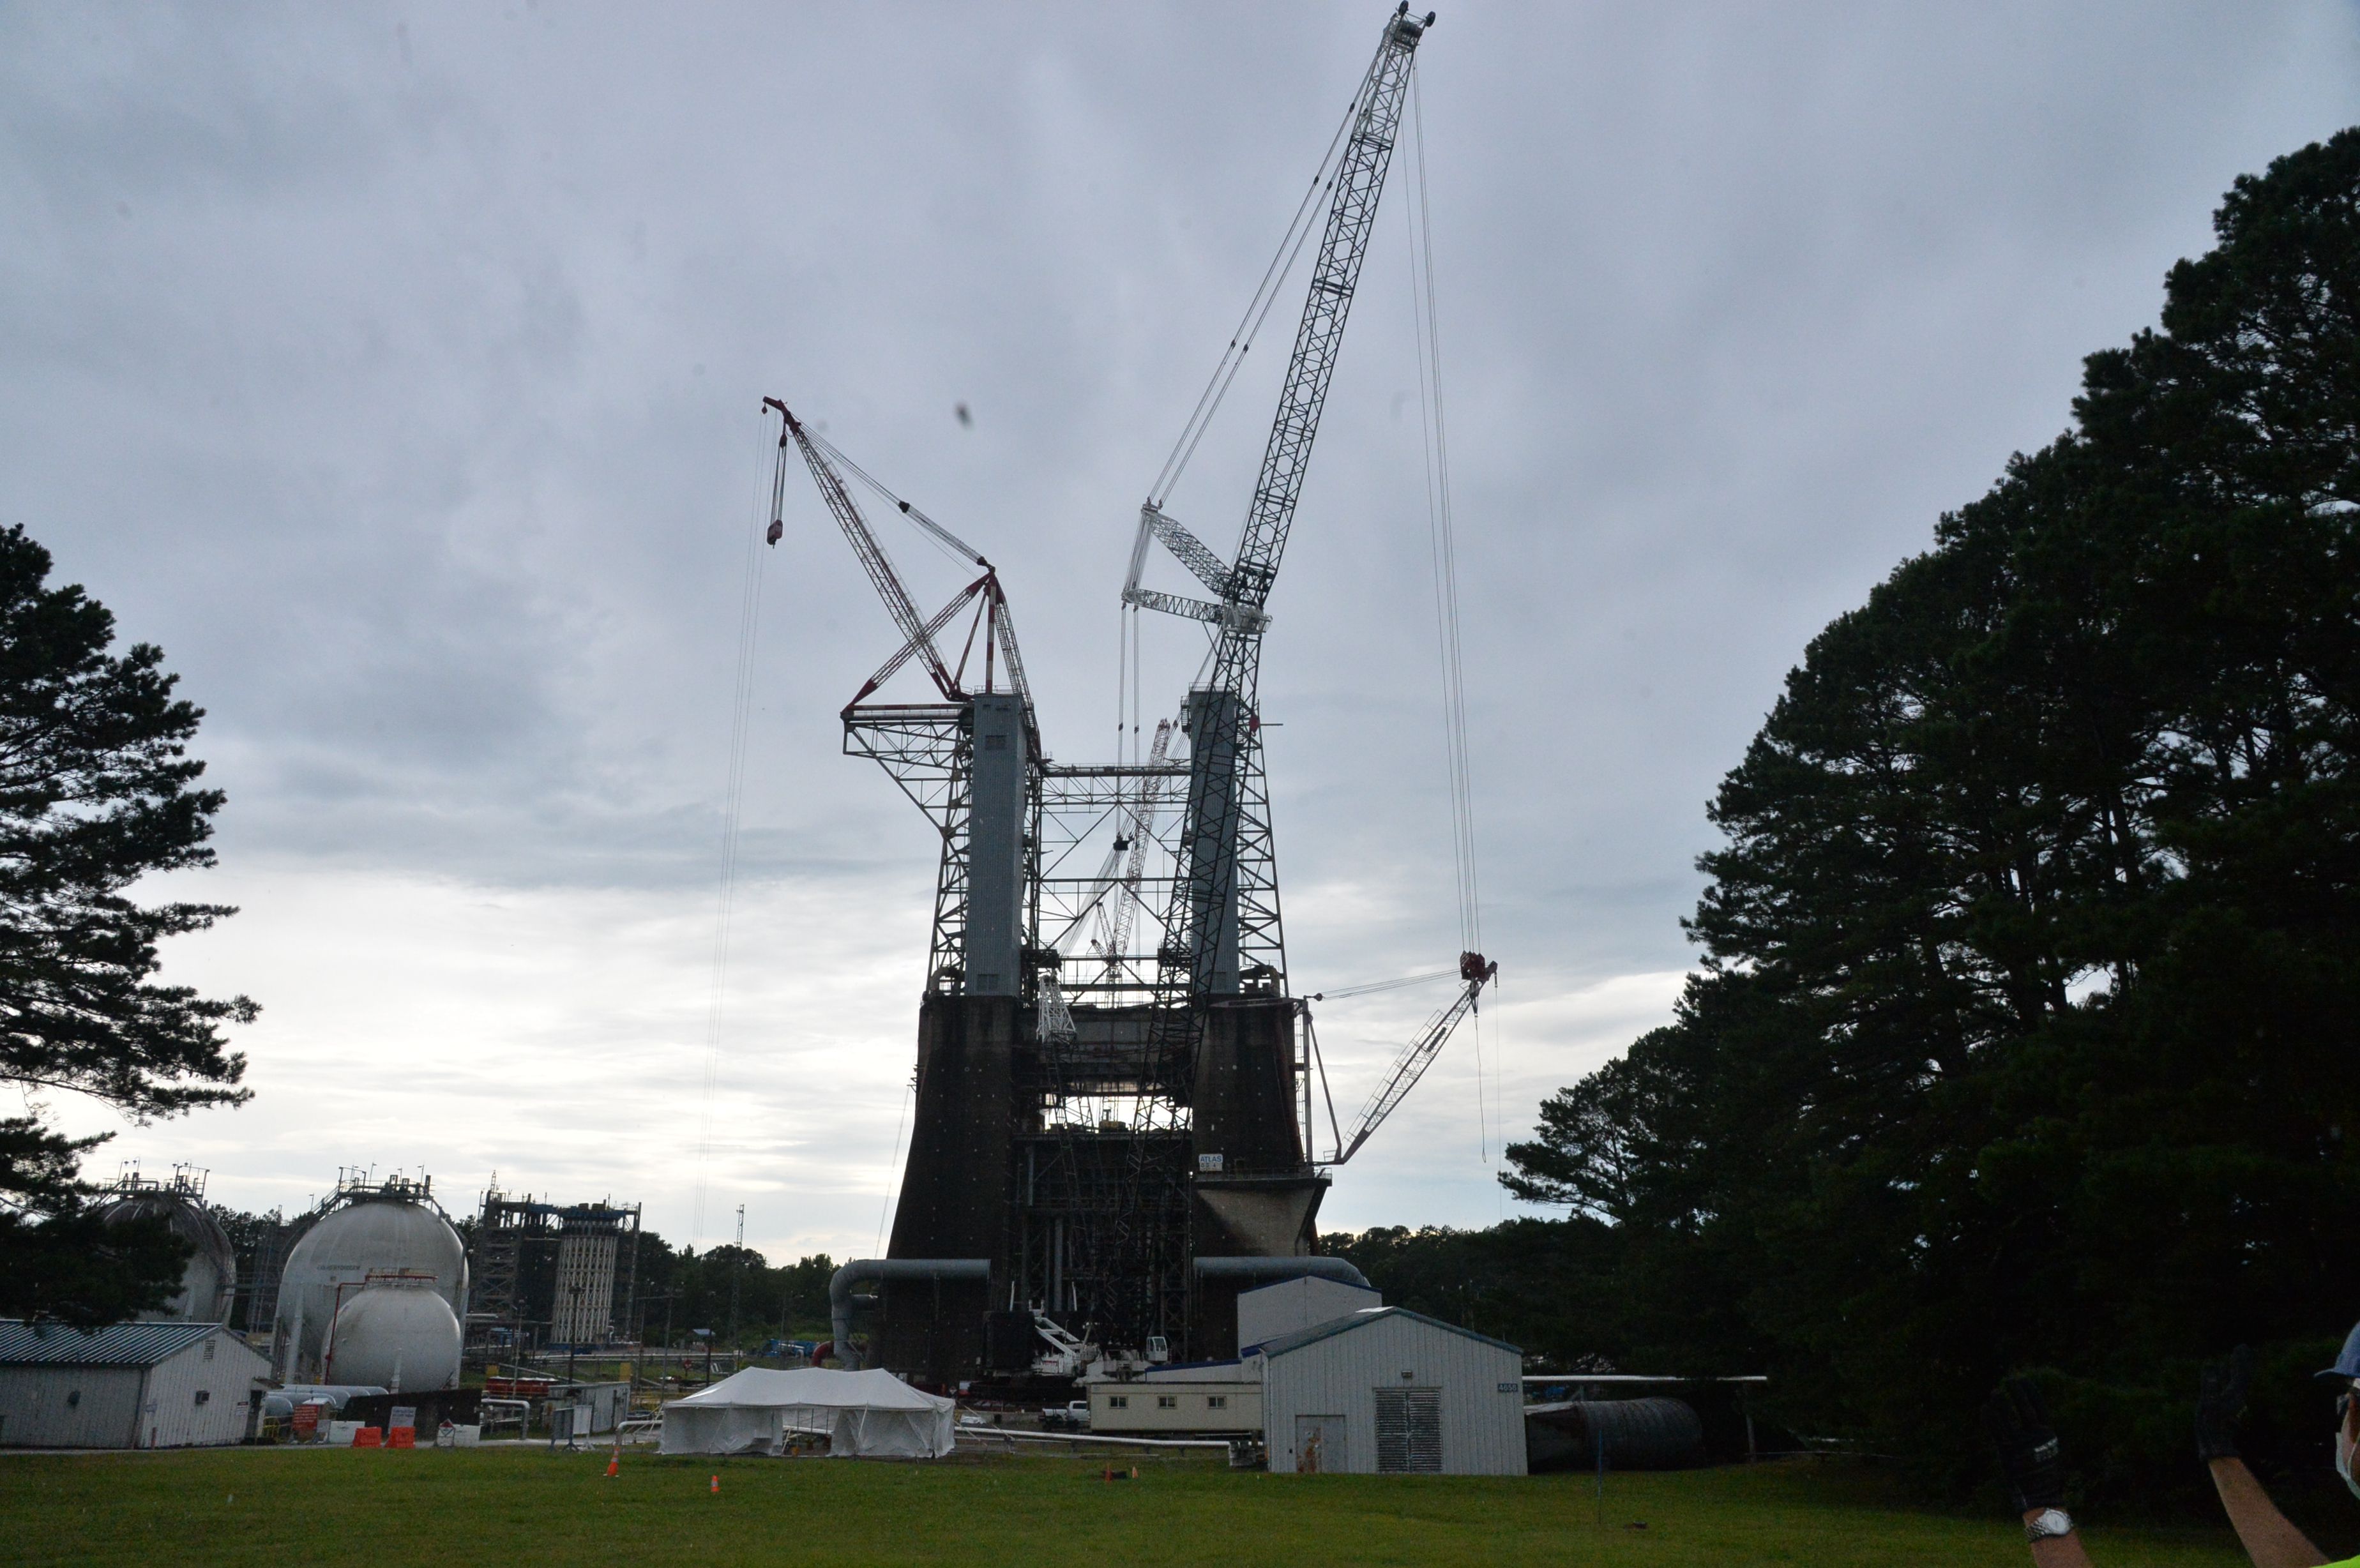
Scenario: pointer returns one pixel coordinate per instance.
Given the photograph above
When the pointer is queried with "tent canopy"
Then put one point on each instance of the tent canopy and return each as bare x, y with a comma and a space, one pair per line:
862, 1413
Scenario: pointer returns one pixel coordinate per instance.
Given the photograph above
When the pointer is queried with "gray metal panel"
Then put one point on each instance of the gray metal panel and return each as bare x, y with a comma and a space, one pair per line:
997, 810
119, 1345
38, 1409
172, 1416
1292, 1304
1213, 729
1340, 1372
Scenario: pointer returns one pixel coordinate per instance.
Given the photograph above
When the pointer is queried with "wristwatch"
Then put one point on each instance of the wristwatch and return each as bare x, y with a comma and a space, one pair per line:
2048, 1525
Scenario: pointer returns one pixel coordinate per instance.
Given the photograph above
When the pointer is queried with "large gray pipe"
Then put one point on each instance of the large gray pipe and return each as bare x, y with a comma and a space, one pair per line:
839, 1289
1267, 1270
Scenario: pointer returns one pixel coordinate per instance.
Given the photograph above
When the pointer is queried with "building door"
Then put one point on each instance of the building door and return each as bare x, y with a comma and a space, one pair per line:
1320, 1447
1409, 1432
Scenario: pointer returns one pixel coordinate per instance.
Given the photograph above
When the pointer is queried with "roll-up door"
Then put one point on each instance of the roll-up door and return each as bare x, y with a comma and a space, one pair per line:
1409, 1432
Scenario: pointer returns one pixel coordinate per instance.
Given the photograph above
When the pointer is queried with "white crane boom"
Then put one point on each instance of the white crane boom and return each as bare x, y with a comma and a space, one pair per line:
1475, 971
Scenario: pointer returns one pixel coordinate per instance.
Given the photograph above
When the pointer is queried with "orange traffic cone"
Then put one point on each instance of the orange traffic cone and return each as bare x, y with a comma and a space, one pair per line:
716, 1485
615, 1462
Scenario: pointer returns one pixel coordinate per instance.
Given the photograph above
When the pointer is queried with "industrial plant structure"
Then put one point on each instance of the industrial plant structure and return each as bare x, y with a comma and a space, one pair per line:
1113, 1128
553, 1274
209, 1279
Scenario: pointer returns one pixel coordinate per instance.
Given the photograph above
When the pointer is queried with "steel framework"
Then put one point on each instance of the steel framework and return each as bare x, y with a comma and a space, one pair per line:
1126, 1107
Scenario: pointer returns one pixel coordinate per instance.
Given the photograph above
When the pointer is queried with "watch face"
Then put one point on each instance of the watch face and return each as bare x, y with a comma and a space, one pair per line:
2049, 1524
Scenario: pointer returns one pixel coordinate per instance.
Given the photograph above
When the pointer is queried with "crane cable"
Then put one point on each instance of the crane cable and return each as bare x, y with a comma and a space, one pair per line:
1443, 544
1273, 278
941, 537
1371, 988
1128, 710
750, 603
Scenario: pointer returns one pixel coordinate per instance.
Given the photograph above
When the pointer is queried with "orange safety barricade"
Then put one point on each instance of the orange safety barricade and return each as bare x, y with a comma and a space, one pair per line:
401, 1437
370, 1437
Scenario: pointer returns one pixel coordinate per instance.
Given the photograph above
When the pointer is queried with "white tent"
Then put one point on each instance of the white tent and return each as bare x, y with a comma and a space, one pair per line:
860, 1414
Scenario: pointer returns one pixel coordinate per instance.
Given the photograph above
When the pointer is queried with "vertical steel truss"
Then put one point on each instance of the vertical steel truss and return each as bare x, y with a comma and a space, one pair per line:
1232, 821
928, 750
1074, 808
1084, 1196
1104, 1235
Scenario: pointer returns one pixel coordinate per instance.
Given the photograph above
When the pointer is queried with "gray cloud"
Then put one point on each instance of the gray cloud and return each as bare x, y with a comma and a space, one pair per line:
397, 370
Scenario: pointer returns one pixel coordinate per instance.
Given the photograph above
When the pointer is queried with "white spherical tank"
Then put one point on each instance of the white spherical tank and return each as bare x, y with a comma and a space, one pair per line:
403, 1338
209, 1279
332, 1263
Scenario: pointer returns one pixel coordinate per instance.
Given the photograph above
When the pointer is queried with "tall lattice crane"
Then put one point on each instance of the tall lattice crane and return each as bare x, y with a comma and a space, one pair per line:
1222, 928
930, 750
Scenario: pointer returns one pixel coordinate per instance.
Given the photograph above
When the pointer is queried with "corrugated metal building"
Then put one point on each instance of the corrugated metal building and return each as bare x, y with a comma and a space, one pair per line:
1393, 1392
157, 1385
1292, 1305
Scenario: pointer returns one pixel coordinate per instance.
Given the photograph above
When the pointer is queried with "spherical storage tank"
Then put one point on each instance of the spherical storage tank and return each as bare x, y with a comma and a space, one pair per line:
401, 1337
209, 1281
332, 1262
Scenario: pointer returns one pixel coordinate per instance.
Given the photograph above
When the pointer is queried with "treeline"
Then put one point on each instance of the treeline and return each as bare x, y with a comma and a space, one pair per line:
681, 1289
2024, 1033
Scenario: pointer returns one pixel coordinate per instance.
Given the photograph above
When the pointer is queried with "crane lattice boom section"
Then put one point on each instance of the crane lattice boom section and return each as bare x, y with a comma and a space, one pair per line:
1224, 916
1474, 971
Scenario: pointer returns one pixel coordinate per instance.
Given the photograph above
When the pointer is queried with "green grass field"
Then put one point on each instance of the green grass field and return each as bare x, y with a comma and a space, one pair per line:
527, 1506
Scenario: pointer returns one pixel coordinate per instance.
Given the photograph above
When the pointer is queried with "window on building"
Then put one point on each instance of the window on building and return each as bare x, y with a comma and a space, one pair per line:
209, 1350
1217, 1402
1409, 1432
203, 1396
1117, 1401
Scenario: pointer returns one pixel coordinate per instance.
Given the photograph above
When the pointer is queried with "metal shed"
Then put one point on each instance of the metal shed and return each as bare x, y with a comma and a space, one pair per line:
155, 1385
1393, 1392
1292, 1304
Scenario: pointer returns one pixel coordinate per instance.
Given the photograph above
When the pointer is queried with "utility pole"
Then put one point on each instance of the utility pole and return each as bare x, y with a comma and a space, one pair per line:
577, 1327
736, 1278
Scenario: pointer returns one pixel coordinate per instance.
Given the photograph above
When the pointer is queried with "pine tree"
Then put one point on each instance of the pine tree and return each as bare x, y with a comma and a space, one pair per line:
96, 791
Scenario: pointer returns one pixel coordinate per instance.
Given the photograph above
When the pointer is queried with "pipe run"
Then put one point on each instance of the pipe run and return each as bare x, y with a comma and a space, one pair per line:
839, 1289
1271, 1270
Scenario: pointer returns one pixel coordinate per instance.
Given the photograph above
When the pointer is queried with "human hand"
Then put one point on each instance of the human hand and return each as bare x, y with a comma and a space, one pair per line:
2220, 1399
2028, 1453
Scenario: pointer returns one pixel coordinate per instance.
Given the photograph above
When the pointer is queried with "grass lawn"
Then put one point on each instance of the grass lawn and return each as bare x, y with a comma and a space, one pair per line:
526, 1506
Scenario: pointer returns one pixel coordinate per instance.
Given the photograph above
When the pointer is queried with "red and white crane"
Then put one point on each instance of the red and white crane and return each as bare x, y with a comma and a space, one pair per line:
992, 617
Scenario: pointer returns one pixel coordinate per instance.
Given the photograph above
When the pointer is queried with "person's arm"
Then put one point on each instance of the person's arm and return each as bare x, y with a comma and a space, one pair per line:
2269, 1538
2057, 1552
2031, 1460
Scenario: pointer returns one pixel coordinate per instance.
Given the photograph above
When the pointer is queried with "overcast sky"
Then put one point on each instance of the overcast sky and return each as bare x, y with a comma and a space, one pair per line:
397, 370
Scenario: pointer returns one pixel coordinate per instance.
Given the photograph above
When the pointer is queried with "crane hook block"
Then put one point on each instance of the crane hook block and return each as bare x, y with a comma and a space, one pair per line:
777, 532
